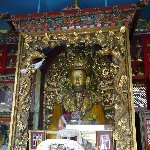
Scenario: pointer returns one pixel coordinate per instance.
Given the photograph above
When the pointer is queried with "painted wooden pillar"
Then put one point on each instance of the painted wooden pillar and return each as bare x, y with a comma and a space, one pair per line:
37, 100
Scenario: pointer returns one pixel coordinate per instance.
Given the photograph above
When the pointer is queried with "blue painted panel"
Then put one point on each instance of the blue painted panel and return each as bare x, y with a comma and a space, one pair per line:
4, 25
145, 13
18, 6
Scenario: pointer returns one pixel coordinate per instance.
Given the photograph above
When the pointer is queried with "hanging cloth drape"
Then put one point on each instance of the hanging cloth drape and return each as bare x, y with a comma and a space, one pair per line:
39, 6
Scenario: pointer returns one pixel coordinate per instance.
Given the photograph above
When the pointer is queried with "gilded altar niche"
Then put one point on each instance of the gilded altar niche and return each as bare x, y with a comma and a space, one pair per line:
64, 86
99, 56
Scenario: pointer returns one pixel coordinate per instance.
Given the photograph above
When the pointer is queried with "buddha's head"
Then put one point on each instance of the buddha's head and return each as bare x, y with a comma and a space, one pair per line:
78, 69
78, 79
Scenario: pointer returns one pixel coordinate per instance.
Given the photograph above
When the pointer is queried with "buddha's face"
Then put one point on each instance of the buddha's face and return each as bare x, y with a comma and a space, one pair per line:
78, 78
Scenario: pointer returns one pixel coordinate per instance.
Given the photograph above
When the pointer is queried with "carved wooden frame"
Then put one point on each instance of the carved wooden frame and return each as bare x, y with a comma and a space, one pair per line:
124, 132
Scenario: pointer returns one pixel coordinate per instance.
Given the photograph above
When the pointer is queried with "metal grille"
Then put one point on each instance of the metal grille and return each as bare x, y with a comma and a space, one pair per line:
139, 94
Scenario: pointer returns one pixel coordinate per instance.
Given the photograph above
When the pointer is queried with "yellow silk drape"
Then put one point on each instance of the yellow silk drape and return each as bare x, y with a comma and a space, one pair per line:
55, 119
97, 109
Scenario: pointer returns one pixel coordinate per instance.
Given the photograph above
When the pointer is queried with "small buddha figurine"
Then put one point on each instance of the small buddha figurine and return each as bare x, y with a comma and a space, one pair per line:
0, 51
138, 43
148, 42
11, 63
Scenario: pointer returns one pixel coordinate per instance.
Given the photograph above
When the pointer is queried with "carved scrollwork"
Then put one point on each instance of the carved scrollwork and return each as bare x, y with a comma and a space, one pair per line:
20, 135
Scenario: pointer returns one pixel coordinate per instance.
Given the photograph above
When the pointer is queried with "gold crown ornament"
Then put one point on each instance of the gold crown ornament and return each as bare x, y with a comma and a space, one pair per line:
77, 60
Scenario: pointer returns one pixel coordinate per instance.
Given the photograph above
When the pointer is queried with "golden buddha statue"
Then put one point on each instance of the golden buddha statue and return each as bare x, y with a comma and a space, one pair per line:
78, 98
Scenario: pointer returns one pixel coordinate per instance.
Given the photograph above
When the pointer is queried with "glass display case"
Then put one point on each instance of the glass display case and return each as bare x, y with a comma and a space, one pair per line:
7, 75
8, 59
4, 135
140, 55
6, 93
147, 131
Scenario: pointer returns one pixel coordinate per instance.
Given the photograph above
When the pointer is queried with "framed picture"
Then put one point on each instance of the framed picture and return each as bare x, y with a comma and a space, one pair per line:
104, 140
35, 138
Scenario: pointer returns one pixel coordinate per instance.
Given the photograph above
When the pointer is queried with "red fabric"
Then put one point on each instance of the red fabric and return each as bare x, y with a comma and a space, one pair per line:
73, 11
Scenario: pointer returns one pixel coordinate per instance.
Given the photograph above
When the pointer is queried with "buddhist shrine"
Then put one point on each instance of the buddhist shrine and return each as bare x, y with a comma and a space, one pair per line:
75, 79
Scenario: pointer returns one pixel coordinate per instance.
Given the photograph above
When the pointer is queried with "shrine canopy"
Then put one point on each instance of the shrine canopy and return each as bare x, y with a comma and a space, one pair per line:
9, 8
122, 15
39, 6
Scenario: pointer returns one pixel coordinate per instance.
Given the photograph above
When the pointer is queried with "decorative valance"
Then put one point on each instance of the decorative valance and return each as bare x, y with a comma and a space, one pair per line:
76, 19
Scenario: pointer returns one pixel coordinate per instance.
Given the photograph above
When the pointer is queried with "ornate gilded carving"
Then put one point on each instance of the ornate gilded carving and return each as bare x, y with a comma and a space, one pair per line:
109, 74
29, 57
20, 134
